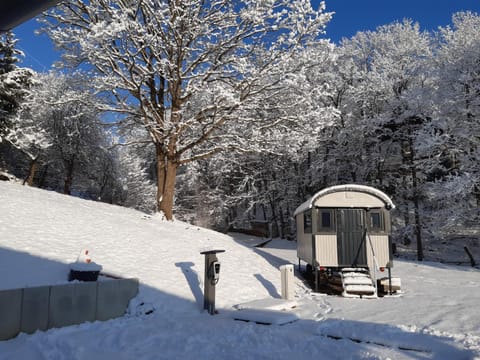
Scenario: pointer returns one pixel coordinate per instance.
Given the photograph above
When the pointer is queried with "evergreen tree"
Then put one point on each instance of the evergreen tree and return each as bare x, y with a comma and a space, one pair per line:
13, 81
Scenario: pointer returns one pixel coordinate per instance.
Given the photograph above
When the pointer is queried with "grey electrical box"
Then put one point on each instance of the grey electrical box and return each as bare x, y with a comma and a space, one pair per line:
211, 279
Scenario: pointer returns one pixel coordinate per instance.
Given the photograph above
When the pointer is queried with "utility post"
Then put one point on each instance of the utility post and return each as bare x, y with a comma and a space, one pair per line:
211, 278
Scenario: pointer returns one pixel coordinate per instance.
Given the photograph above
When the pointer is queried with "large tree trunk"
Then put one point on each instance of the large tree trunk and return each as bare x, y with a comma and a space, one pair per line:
418, 226
418, 229
166, 179
67, 186
43, 177
416, 195
31, 171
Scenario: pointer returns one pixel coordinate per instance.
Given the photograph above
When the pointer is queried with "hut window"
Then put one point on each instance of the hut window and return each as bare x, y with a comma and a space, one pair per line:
325, 220
307, 223
376, 221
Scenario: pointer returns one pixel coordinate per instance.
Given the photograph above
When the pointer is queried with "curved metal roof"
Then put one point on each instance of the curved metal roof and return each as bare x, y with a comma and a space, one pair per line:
348, 187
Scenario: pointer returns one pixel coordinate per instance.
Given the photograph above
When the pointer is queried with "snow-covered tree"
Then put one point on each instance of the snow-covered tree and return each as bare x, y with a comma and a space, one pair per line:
58, 126
68, 111
458, 103
380, 87
29, 135
234, 188
8, 100
187, 69
14, 82
137, 177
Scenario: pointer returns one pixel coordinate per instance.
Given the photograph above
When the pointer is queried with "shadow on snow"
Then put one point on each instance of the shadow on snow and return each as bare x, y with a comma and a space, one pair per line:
179, 328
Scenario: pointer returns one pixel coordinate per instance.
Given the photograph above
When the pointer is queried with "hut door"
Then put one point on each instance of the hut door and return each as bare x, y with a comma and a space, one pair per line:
350, 237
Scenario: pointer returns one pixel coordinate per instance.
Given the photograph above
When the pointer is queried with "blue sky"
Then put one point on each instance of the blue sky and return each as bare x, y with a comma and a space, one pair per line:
350, 16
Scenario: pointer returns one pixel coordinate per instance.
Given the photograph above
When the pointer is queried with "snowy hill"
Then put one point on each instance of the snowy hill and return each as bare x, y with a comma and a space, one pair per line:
42, 232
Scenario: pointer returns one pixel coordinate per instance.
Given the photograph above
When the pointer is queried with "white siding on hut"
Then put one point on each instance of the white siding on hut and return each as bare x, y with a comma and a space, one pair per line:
304, 242
380, 248
326, 250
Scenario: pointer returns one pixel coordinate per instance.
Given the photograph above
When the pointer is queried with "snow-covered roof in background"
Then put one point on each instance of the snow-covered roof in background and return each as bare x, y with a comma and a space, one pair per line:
348, 187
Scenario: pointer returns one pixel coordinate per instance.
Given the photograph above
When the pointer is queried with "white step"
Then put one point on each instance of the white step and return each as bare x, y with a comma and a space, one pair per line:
354, 274
360, 289
351, 280
357, 283
355, 270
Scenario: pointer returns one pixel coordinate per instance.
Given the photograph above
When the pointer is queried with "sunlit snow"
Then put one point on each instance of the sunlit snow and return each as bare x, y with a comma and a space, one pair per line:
43, 232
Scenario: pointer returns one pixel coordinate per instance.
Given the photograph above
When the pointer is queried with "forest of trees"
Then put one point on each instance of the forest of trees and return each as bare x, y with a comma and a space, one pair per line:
221, 115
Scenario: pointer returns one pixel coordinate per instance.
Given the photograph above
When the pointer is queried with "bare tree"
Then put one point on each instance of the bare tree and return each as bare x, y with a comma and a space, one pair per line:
186, 70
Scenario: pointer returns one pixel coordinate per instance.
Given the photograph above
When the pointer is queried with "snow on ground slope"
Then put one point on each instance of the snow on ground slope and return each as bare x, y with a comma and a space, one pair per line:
41, 232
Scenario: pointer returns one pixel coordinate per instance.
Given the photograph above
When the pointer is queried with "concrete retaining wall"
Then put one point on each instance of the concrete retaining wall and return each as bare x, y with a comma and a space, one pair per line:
41, 308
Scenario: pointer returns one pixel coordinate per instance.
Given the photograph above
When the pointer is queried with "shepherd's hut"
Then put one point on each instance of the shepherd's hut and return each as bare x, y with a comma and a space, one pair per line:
343, 235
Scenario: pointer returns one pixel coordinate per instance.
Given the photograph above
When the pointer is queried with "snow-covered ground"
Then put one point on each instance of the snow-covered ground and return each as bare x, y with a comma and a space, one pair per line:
42, 232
